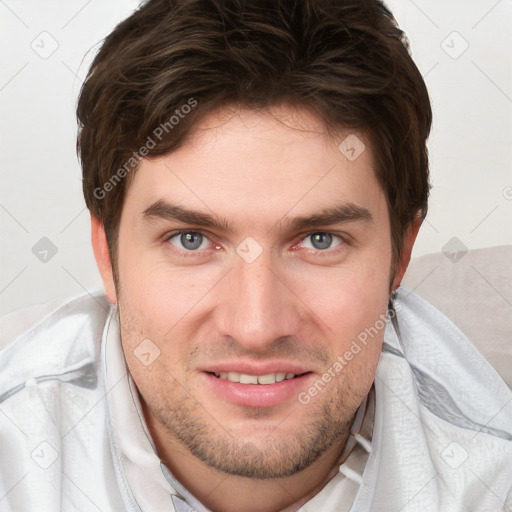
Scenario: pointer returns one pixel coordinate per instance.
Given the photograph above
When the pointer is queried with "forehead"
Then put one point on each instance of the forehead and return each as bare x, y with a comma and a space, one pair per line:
260, 165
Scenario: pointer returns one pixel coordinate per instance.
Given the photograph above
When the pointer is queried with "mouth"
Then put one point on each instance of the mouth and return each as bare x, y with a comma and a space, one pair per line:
264, 380
257, 390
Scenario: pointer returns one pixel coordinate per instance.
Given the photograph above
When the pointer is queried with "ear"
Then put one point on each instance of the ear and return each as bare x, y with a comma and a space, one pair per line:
407, 244
100, 248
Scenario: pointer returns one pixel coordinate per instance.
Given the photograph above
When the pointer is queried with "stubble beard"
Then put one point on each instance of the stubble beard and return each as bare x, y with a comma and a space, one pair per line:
277, 454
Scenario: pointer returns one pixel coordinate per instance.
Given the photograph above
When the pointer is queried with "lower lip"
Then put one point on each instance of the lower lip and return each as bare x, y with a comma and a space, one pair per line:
257, 395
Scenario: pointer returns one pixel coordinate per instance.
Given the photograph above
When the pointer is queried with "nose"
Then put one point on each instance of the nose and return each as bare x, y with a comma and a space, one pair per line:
258, 307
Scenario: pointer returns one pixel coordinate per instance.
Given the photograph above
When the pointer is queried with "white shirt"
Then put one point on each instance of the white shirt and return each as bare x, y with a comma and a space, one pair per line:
436, 435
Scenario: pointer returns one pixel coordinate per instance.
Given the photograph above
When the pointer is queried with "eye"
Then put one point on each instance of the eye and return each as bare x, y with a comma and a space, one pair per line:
194, 241
321, 240
189, 241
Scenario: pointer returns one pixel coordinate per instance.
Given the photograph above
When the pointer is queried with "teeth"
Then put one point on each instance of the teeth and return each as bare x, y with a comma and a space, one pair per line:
248, 379
270, 378
242, 378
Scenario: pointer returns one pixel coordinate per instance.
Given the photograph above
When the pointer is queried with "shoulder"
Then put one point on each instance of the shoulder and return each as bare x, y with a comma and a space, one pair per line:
448, 371
50, 339
52, 421
443, 408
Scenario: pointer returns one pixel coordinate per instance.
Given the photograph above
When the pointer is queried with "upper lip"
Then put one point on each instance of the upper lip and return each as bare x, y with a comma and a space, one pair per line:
253, 368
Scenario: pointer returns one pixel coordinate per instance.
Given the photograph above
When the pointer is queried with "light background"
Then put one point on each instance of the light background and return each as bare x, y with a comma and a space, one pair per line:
40, 195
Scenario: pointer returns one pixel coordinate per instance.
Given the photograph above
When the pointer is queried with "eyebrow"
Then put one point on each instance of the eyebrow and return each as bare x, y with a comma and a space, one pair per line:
349, 212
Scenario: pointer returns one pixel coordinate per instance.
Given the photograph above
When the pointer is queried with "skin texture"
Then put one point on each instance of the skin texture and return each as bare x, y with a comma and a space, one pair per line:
294, 304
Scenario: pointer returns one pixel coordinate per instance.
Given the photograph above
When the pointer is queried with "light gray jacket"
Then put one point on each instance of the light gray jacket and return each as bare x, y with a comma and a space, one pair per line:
72, 437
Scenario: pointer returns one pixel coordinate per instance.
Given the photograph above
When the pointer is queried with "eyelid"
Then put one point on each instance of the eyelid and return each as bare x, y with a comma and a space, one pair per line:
167, 237
344, 237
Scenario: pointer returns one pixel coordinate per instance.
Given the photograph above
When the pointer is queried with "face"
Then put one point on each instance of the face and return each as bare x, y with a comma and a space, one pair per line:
255, 253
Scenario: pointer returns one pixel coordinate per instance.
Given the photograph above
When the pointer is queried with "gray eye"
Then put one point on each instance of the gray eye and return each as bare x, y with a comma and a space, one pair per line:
189, 240
321, 240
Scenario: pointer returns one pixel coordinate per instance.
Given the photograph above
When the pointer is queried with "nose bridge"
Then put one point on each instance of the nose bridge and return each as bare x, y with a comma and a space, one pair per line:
258, 307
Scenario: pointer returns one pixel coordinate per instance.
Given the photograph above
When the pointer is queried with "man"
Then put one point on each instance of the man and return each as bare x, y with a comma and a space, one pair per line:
256, 174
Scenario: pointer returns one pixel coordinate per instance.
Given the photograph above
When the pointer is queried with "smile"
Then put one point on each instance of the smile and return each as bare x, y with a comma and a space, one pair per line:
242, 378
264, 389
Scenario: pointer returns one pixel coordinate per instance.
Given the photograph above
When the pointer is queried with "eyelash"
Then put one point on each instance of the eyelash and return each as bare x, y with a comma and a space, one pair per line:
344, 240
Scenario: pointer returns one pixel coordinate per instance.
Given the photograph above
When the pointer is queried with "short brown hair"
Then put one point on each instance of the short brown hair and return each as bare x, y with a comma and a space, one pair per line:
345, 59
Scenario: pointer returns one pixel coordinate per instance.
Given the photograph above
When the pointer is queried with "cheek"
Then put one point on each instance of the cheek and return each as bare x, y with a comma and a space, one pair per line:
353, 304
166, 302
147, 335
150, 295
160, 305
350, 298
359, 324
